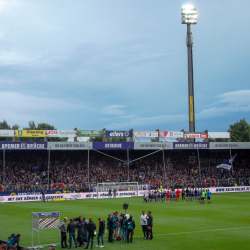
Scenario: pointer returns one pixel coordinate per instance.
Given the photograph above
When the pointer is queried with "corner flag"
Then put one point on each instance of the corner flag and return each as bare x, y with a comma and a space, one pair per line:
225, 167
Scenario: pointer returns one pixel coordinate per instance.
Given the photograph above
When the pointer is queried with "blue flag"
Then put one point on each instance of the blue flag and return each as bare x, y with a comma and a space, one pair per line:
225, 167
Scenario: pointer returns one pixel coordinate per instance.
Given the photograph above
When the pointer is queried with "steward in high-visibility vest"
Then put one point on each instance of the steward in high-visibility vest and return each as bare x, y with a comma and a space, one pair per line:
128, 189
160, 188
64, 191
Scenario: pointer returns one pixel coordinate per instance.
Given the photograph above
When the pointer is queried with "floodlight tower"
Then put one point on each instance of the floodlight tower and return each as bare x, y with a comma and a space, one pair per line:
188, 17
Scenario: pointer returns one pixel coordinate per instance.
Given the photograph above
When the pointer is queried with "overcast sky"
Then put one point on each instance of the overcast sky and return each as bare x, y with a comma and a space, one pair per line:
95, 64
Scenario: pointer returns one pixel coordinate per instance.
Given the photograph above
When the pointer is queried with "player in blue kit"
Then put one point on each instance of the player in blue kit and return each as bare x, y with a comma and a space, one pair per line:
208, 196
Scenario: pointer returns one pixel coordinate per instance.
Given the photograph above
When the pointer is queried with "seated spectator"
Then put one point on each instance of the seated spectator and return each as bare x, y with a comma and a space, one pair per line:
14, 240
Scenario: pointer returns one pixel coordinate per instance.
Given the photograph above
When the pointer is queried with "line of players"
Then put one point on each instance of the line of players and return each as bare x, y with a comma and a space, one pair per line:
173, 195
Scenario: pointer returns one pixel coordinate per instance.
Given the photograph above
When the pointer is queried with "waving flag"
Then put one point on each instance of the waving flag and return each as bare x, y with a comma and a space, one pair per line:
226, 165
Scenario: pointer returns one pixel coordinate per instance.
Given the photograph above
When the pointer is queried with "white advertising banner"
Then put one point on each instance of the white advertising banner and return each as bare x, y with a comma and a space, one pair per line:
91, 195
146, 133
6, 133
171, 134
219, 135
70, 145
196, 135
61, 133
228, 145
153, 145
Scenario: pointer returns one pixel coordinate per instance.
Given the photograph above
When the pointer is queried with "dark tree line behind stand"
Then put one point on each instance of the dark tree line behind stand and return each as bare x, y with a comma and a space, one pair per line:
32, 126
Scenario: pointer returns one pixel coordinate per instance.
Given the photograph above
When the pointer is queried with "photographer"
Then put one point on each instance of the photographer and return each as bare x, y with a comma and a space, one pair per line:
124, 227
130, 228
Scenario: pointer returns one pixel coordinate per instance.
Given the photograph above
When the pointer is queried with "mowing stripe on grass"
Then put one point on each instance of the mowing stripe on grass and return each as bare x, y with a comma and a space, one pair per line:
202, 231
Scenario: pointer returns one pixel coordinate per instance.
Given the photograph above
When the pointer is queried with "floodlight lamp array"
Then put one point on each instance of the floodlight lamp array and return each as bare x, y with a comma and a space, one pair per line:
188, 15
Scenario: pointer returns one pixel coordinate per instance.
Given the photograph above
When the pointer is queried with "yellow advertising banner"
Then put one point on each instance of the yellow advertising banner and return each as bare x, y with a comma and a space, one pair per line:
191, 109
30, 133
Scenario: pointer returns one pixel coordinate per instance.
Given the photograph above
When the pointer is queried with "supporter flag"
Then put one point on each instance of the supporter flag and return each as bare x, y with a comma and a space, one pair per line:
225, 167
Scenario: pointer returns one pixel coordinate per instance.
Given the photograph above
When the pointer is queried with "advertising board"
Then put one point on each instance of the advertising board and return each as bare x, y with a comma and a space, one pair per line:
117, 133
61, 133
30, 133
191, 145
70, 145
153, 145
6, 133
113, 145
171, 134
24, 145
146, 133
93, 195
90, 133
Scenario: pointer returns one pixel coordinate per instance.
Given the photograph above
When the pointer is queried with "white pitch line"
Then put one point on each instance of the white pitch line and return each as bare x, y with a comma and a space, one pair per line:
202, 231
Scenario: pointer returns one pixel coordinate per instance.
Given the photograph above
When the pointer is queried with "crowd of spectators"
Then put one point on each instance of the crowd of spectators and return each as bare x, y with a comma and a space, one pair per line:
181, 168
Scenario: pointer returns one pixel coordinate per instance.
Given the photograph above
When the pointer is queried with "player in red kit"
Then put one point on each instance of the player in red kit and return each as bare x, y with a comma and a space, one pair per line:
178, 192
168, 195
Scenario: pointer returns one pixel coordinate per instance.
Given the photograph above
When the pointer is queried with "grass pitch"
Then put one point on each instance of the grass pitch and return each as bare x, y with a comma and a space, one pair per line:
225, 224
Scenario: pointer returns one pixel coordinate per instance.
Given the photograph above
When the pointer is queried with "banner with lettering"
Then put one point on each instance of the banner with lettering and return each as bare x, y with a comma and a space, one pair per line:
23, 145
111, 133
61, 133
146, 133
90, 133
30, 133
113, 145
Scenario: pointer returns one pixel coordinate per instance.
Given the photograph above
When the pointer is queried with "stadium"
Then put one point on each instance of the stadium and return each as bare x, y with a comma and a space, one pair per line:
104, 184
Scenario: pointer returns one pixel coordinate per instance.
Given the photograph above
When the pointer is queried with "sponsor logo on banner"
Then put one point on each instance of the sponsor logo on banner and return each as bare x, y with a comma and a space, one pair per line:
146, 133
90, 133
70, 145
196, 135
153, 145
113, 145
191, 145
30, 133
171, 134
6, 133
24, 145
119, 133
61, 133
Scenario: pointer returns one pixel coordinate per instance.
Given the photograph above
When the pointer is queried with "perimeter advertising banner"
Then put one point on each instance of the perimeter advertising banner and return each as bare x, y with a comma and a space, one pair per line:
70, 145
228, 145
6, 133
61, 133
24, 145
90, 133
153, 145
191, 145
93, 195
195, 135
111, 133
146, 133
30, 133
171, 134
113, 145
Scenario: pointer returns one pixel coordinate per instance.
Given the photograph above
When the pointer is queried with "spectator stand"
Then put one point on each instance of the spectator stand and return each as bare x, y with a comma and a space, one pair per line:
46, 220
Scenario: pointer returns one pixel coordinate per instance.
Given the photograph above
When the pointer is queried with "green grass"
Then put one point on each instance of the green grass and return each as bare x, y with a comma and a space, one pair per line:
225, 224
